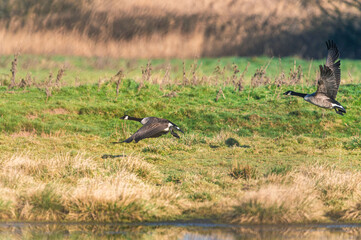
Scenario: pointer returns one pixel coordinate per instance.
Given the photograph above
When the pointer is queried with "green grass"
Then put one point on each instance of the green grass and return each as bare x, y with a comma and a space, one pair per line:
90, 110
235, 154
81, 70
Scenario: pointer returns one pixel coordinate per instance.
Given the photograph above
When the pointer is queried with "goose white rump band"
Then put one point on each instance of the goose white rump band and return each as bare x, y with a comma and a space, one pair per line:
167, 128
144, 120
336, 105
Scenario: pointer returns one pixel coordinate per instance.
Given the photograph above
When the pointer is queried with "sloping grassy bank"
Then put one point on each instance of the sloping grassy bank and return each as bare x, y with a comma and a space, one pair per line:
254, 156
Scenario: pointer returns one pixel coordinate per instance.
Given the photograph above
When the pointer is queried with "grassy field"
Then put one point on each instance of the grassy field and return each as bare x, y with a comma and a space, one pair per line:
249, 156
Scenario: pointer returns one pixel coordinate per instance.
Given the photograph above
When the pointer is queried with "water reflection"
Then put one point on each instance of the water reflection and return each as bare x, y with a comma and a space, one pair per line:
171, 230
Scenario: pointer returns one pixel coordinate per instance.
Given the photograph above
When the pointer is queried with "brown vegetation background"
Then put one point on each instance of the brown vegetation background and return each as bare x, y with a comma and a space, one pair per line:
183, 29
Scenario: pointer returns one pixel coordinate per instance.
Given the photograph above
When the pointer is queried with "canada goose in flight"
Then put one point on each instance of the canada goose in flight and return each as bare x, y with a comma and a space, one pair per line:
327, 86
152, 127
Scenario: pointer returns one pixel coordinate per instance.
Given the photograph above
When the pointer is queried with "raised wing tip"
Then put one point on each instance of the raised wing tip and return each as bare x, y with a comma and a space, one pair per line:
325, 70
330, 44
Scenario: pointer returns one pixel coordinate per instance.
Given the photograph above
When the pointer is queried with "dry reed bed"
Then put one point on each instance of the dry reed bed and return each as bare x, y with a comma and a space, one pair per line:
133, 29
80, 188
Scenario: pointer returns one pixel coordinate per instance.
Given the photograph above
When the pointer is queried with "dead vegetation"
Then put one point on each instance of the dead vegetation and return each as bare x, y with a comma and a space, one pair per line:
118, 79
79, 188
192, 74
133, 29
303, 195
88, 189
13, 70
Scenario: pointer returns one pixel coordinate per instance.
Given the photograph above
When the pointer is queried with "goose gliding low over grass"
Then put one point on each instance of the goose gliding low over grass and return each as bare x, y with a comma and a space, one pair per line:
152, 127
327, 85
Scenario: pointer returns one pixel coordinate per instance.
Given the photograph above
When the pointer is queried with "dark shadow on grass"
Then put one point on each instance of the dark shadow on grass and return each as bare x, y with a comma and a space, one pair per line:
105, 156
213, 146
230, 142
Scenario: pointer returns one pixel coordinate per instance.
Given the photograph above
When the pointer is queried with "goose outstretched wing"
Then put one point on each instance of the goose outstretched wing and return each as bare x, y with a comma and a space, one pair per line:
327, 82
332, 63
149, 130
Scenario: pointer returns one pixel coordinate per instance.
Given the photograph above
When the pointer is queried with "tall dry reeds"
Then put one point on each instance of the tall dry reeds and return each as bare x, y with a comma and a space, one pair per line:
13, 70
260, 76
140, 28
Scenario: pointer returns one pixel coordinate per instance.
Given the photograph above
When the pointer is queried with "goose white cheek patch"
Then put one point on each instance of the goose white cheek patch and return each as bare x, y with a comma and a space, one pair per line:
126, 118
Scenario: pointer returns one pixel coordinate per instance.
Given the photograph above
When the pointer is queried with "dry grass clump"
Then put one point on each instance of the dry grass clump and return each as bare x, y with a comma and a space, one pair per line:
338, 191
7, 199
278, 204
140, 168
302, 195
354, 212
79, 188
245, 172
120, 197
69, 187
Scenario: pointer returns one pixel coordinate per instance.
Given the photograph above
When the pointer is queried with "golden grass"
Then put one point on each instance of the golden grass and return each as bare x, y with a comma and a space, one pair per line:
279, 204
49, 42
70, 187
154, 29
78, 188
303, 195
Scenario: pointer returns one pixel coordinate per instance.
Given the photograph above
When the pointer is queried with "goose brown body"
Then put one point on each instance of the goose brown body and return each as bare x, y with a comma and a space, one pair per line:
152, 127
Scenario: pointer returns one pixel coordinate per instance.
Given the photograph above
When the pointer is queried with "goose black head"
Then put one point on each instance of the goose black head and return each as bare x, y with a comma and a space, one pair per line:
288, 93
125, 117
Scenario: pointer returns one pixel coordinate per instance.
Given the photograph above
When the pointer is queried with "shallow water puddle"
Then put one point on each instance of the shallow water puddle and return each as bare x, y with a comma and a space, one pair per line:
176, 230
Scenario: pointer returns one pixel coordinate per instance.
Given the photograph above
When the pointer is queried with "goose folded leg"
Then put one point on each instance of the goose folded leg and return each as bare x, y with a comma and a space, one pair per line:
340, 111
338, 108
174, 134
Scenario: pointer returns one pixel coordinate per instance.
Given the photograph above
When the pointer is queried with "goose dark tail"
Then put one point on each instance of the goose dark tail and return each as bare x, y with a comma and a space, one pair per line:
126, 140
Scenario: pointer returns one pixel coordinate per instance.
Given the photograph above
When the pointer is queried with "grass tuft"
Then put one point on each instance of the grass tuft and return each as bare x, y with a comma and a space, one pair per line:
244, 172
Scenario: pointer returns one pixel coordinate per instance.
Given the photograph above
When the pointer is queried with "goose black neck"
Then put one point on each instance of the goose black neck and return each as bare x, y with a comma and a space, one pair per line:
302, 95
134, 118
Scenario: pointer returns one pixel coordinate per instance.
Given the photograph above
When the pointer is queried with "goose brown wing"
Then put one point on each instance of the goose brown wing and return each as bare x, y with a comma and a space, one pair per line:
327, 82
149, 130
331, 62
